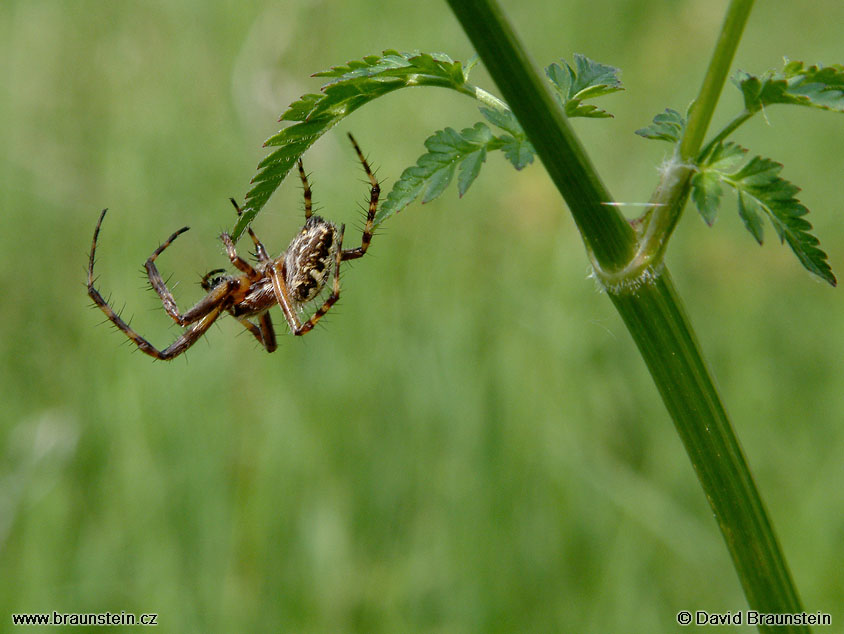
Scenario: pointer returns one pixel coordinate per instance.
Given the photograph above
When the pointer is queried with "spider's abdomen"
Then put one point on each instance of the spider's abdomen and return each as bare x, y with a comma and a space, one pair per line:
309, 259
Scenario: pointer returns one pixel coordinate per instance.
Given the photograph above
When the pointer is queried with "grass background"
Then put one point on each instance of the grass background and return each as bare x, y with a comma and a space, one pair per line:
471, 443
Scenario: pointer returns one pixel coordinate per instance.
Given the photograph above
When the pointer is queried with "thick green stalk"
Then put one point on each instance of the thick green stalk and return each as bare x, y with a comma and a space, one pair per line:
656, 319
651, 309
606, 233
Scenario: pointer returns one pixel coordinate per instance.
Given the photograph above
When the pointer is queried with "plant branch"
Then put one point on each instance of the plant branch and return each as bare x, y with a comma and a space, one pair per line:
650, 307
701, 111
486, 98
723, 134
672, 192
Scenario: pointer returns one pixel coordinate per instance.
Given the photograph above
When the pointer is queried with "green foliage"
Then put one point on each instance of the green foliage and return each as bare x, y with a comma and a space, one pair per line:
351, 86
667, 126
515, 145
361, 81
706, 183
761, 192
587, 80
816, 86
434, 170
447, 149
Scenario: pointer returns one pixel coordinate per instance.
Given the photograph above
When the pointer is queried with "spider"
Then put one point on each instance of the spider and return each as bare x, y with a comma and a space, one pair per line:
291, 280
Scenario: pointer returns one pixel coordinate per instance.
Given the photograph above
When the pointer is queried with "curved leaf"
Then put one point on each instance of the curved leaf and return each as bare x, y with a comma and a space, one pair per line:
351, 86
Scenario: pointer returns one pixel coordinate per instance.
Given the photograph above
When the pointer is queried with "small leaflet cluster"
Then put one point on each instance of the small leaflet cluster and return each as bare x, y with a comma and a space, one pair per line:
760, 190
667, 126
587, 80
450, 151
464, 152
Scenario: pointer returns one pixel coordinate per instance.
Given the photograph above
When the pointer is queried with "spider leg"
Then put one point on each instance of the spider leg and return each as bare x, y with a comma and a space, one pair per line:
264, 334
306, 190
210, 309
218, 295
282, 294
189, 337
374, 194
238, 261
158, 284
268, 332
252, 328
260, 251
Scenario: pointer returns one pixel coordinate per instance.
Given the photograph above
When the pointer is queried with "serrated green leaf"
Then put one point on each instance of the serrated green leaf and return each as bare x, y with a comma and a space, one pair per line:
761, 190
438, 180
724, 158
299, 110
761, 173
749, 211
519, 152
666, 126
350, 86
815, 86
706, 194
470, 167
469, 65
503, 119
592, 79
516, 147
587, 80
435, 169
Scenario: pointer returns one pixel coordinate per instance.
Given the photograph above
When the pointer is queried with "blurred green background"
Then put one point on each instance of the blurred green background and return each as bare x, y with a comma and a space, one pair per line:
470, 443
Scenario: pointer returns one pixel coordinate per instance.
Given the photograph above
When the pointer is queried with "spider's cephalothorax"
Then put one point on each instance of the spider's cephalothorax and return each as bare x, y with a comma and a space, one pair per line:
291, 280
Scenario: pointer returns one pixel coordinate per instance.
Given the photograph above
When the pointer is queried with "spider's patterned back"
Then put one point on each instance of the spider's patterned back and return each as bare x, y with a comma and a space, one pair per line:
309, 259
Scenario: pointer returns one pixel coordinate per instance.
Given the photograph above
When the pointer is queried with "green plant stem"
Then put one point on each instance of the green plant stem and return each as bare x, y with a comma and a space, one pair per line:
701, 111
486, 98
723, 134
657, 321
672, 193
650, 307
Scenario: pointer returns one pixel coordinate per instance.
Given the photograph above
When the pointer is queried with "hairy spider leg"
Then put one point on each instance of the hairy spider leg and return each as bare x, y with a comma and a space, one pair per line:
309, 207
264, 332
197, 312
239, 263
288, 306
260, 251
374, 194
190, 336
267, 332
213, 305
